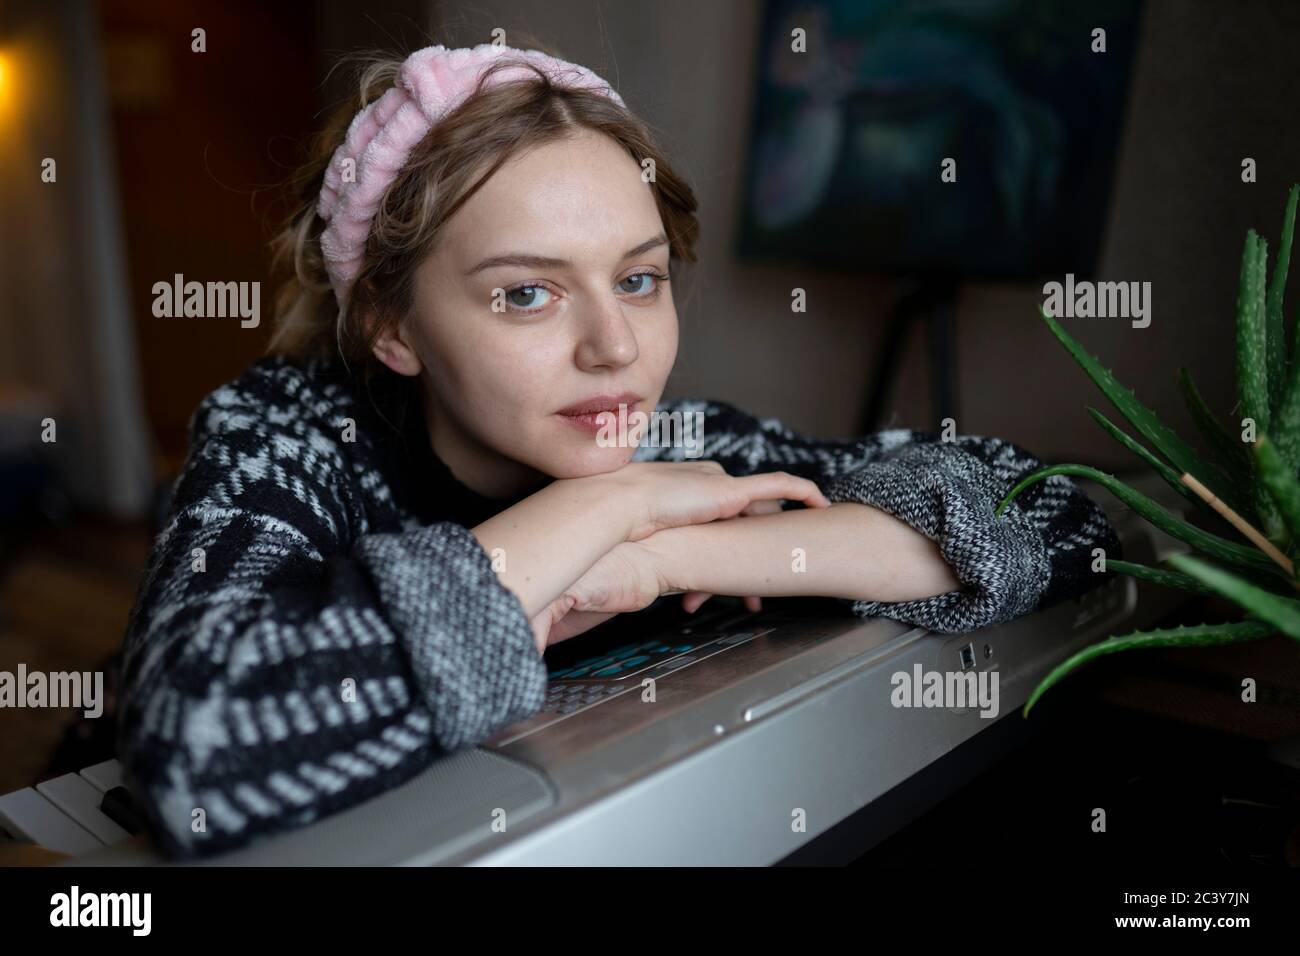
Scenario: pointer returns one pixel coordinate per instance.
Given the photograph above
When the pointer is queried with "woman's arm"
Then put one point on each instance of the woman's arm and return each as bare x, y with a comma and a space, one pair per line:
550, 539
845, 551
812, 553
525, 540
1037, 552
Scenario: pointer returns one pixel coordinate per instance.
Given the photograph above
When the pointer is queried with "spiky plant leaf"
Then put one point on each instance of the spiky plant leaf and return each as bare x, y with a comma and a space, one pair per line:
1160, 576
1285, 428
1179, 454
1252, 342
1182, 636
1170, 476
1283, 613
1286, 423
1231, 451
1278, 363
1280, 482
1211, 544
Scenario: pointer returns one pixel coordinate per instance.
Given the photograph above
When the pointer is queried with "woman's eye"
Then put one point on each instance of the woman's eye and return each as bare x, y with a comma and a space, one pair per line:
643, 283
529, 296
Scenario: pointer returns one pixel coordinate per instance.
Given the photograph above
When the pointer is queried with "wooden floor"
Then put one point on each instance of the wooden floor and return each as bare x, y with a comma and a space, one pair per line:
65, 594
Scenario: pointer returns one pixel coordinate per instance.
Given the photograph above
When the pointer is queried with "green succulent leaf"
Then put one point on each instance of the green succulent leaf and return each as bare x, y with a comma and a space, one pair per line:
1200, 635
1270, 518
1231, 451
1165, 472
1282, 612
1280, 482
1286, 424
1211, 544
1179, 454
1278, 363
1285, 428
1160, 576
1252, 342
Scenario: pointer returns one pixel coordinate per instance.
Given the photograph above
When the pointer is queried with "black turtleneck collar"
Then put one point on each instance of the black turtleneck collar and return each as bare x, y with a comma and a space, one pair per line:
392, 414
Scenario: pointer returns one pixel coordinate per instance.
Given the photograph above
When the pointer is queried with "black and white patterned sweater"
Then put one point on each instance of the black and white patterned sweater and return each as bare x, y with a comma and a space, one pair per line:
314, 538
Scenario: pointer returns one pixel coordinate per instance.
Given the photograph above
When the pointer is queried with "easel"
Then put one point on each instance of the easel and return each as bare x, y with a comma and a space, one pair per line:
932, 298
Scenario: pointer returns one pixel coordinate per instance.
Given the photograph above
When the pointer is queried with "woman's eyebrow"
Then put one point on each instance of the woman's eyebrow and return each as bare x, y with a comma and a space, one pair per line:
546, 262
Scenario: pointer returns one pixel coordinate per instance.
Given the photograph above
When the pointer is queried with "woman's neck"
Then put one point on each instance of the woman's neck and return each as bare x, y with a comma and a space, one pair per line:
479, 468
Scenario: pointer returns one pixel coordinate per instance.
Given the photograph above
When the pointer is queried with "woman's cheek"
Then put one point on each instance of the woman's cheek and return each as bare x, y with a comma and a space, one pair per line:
665, 345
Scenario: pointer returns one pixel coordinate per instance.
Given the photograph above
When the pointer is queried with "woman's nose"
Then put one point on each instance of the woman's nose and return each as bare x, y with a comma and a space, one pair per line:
606, 339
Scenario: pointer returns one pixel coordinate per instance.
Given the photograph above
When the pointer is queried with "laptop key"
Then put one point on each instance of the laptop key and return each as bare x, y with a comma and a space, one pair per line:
76, 797
119, 807
30, 817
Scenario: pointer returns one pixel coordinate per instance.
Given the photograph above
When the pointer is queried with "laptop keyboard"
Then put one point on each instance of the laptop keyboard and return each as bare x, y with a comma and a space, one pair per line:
599, 677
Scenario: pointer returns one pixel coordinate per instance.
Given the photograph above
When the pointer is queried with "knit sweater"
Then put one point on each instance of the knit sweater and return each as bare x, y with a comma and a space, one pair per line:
316, 623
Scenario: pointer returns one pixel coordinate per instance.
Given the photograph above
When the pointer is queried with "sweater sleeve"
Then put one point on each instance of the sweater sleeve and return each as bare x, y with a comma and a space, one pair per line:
1038, 552
282, 663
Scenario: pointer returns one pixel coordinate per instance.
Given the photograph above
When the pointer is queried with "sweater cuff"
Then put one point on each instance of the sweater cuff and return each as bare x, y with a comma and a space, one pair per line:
949, 495
469, 641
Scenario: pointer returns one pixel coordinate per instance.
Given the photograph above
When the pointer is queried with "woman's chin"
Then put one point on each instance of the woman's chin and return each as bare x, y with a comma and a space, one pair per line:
589, 459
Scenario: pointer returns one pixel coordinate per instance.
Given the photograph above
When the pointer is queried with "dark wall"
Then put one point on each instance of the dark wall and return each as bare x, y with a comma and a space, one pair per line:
204, 142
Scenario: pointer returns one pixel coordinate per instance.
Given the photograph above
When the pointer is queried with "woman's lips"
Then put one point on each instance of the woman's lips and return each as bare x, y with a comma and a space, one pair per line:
599, 411
599, 403
594, 421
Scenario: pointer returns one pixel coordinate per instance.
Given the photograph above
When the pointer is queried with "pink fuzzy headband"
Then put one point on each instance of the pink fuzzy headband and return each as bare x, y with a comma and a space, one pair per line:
432, 82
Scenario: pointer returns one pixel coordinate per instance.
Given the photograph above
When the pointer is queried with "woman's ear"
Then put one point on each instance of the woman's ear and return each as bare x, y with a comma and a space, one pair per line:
392, 349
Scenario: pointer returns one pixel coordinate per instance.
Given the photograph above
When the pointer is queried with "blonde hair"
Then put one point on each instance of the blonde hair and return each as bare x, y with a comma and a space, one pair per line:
444, 170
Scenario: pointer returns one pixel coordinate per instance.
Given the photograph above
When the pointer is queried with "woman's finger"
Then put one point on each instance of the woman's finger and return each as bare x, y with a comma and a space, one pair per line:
577, 622
765, 507
780, 484
545, 622
692, 600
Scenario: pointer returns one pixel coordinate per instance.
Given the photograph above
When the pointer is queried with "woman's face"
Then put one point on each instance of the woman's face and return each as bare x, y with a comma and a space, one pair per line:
542, 295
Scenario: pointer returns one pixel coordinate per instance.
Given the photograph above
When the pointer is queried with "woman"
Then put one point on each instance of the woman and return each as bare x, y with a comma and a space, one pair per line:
380, 528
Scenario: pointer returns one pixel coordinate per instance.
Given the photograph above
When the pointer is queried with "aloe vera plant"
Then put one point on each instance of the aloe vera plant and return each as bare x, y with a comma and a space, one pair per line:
1249, 479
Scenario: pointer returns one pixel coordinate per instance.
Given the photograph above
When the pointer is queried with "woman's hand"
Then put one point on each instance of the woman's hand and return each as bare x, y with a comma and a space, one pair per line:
669, 494
559, 622
629, 577
544, 543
